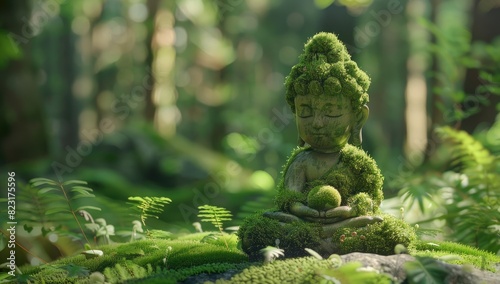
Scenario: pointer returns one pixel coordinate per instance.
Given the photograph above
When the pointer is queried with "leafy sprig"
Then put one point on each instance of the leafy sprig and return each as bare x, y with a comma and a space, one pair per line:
216, 216
148, 206
63, 195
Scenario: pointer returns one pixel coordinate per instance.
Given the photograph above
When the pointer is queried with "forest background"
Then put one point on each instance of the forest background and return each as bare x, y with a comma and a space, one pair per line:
185, 99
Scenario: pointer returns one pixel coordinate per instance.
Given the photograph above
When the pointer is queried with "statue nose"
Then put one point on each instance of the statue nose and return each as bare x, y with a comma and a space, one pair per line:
317, 122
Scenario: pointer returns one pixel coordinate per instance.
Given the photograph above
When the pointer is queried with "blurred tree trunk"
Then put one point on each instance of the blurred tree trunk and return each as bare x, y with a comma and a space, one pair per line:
22, 122
436, 115
150, 107
70, 109
485, 27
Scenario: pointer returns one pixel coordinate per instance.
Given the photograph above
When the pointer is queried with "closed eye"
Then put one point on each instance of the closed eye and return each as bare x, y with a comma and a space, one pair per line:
334, 116
305, 111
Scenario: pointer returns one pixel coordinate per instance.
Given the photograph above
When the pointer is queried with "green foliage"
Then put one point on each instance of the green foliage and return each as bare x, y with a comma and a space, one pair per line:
455, 53
472, 159
215, 215
467, 192
475, 192
148, 206
425, 270
58, 198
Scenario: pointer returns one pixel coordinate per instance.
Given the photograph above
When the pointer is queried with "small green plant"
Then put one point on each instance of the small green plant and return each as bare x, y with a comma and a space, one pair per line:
137, 228
313, 253
425, 270
148, 206
127, 271
216, 216
167, 253
62, 196
271, 253
74, 271
101, 229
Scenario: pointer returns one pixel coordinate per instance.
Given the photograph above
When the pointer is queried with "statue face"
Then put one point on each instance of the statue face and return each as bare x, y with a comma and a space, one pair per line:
324, 121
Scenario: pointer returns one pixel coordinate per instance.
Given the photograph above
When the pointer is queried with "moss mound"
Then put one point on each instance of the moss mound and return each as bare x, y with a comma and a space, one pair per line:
380, 238
362, 203
323, 198
258, 232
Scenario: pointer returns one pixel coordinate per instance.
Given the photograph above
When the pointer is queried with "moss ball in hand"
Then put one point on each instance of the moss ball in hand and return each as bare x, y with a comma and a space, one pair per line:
323, 197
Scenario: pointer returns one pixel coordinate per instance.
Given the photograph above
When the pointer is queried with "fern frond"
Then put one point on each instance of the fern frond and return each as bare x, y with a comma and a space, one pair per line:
126, 271
33, 206
215, 215
465, 149
148, 206
475, 191
59, 198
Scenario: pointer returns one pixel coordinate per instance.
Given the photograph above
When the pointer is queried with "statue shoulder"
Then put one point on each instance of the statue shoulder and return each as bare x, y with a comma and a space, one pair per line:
298, 154
358, 159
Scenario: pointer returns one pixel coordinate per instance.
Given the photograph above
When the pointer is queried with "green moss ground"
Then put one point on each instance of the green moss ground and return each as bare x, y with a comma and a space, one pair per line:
159, 254
143, 262
456, 253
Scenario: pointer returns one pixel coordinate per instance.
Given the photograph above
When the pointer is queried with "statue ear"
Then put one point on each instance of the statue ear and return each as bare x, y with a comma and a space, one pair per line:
360, 119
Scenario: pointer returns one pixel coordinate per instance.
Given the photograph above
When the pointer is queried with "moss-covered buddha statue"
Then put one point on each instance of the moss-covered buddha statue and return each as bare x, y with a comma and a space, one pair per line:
329, 196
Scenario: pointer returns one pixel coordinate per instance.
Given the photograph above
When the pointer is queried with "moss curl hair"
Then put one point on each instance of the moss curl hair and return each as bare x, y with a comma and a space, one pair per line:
326, 67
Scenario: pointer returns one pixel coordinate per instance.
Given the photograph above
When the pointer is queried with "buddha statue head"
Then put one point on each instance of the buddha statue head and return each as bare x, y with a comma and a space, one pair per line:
327, 92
